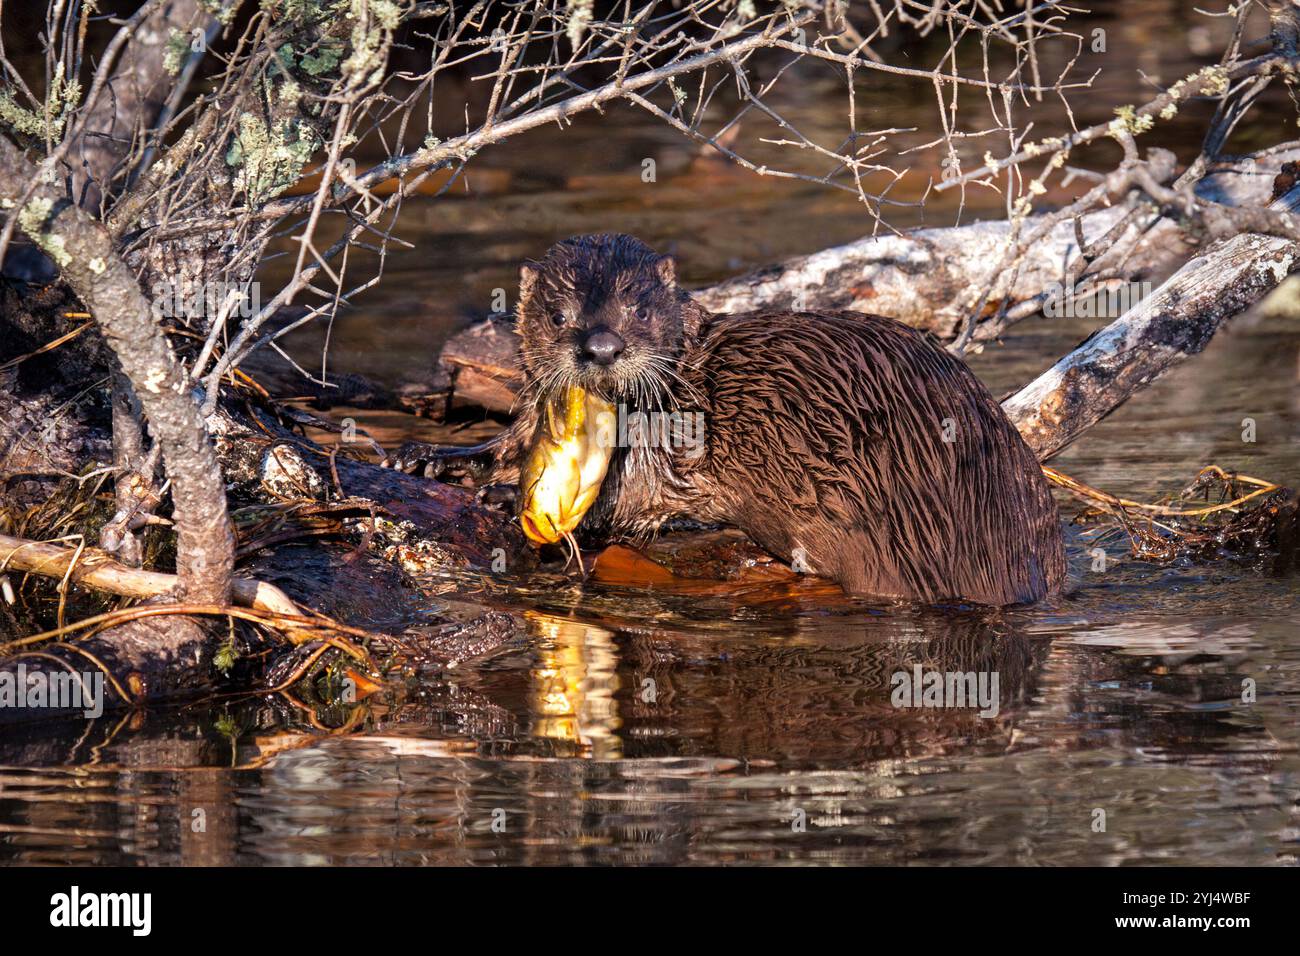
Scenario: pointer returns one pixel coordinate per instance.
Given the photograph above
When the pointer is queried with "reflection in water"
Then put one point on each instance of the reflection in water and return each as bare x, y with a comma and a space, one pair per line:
770, 736
574, 683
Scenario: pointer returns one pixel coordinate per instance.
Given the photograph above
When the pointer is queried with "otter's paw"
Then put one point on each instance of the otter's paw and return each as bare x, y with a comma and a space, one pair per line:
500, 498
418, 458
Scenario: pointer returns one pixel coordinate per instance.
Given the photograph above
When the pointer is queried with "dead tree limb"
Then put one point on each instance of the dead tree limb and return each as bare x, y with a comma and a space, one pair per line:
1176, 321
924, 278
85, 254
98, 571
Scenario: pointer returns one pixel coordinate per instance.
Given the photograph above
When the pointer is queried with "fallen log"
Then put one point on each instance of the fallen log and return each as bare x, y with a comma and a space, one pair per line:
923, 278
1176, 321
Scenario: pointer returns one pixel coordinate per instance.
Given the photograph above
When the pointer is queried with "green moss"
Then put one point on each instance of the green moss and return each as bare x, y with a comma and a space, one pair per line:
226, 655
289, 9
19, 119
270, 160
32, 219
63, 99
388, 13
284, 58
368, 39
323, 61
1129, 120
224, 12
176, 52
1214, 80
289, 93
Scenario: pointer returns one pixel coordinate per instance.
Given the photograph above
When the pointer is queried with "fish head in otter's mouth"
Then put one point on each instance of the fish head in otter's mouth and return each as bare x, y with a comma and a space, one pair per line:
602, 313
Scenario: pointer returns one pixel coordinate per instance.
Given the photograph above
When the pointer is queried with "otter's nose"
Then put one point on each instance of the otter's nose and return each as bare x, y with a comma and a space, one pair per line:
602, 346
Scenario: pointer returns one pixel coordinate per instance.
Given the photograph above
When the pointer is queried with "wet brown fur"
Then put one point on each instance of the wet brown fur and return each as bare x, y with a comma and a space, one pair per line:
824, 433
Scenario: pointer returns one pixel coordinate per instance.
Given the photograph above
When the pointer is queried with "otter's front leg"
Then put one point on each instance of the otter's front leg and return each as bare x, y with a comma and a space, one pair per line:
510, 448
496, 462
500, 490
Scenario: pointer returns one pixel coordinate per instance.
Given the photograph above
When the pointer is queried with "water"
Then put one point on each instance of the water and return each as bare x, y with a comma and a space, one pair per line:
770, 736
1125, 697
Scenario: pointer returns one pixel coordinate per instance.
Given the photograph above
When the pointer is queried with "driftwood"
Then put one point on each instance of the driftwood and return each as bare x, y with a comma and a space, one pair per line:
923, 278
93, 569
1174, 322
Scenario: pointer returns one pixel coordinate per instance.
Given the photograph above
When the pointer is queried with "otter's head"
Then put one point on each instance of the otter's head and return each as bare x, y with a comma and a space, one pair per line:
603, 313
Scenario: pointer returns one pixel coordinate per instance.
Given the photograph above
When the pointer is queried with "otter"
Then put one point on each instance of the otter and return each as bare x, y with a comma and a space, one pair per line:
846, 443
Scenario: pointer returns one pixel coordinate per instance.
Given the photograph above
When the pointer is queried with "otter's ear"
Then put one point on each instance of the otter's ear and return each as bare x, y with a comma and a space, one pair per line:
666, 266
528, 273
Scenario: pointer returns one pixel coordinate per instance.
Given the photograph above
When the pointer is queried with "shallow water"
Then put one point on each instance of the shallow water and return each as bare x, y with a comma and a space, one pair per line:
766, 732
1123, 697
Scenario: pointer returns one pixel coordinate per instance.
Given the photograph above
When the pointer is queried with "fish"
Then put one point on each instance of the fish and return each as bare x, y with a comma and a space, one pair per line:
566, 465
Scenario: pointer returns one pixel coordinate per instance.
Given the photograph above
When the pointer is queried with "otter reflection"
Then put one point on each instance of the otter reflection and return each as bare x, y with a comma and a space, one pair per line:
818, 690
749, 722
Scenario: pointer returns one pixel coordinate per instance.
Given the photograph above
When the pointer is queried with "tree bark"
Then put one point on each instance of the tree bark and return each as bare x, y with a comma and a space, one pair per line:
131, 100
1174, 322
84, 253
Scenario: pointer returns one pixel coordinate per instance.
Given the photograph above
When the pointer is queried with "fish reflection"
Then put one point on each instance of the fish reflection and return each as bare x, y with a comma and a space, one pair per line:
573, 684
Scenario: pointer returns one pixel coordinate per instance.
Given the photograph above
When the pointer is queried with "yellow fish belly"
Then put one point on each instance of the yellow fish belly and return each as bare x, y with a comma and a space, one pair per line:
562, 476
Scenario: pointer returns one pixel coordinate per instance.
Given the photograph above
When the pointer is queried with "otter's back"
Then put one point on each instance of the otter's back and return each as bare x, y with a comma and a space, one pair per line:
885, 459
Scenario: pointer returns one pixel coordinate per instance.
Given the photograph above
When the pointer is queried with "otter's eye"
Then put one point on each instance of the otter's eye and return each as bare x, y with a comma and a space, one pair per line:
558, 318
642, 314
